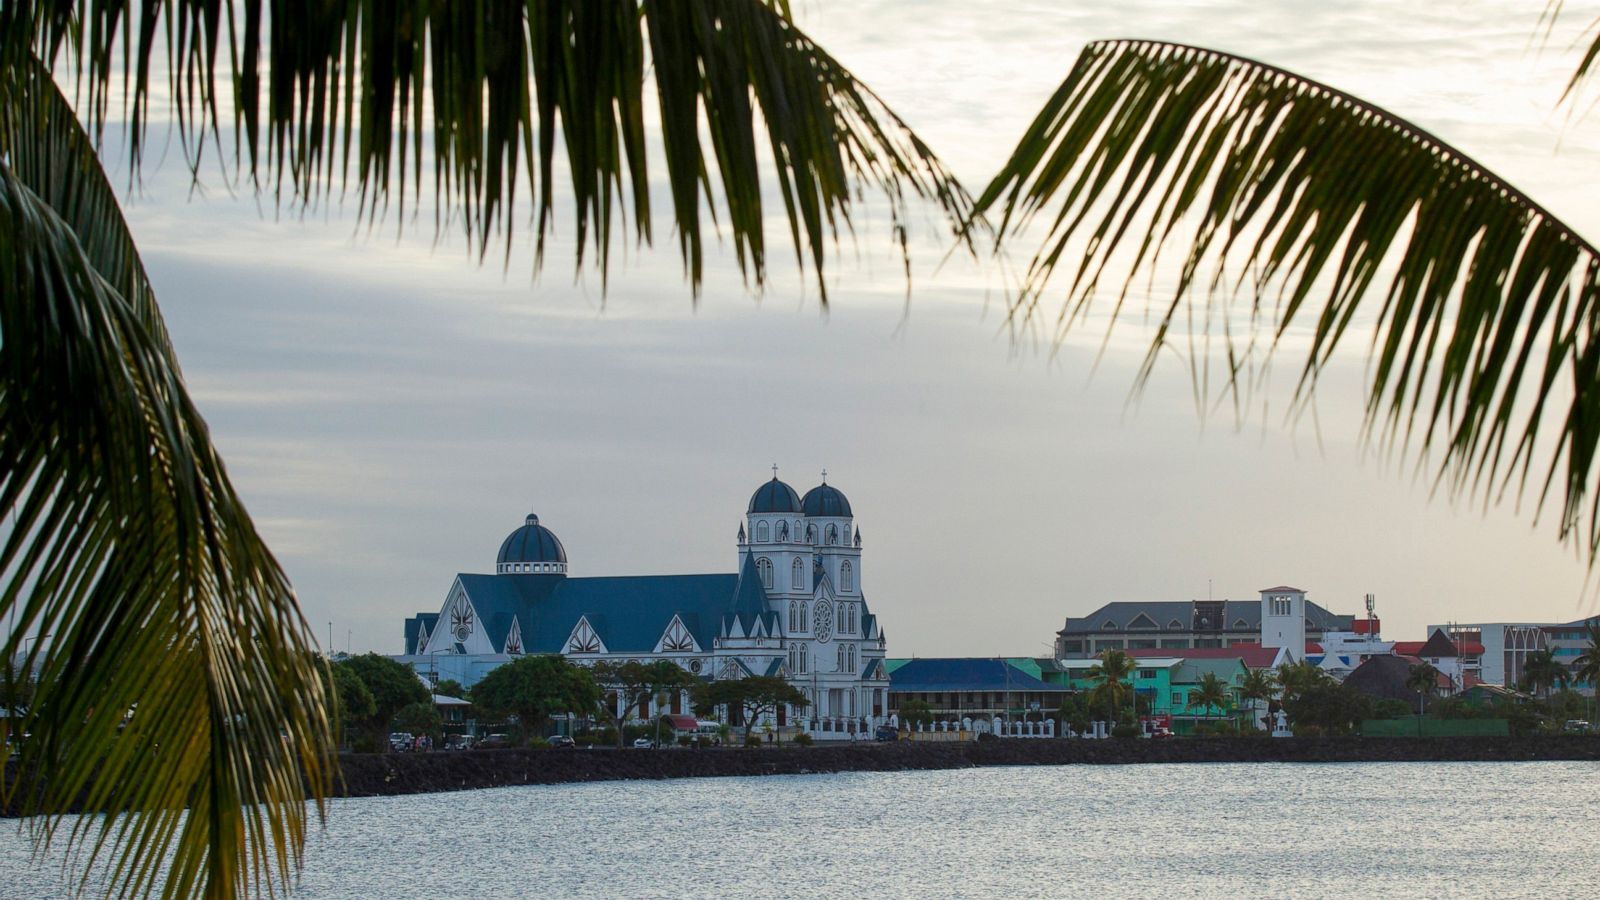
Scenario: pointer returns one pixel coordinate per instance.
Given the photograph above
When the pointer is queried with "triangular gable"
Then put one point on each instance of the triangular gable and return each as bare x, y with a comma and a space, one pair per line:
1240, 623
1143, 621
1175, 625
733, 669
513, 644
777, 669
584, 639
677, 638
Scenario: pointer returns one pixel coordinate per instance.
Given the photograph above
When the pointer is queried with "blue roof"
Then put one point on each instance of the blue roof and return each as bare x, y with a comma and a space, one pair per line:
629, 613
774, 496
969, 674
532, 543
825, 500
427, 619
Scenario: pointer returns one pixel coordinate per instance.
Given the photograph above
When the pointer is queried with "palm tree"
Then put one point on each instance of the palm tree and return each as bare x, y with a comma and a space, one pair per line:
1542, 671
128, 544
1114, 674
1586, 667
1259, 686
1298, 677
1212, 693
1291, 205
1423, 679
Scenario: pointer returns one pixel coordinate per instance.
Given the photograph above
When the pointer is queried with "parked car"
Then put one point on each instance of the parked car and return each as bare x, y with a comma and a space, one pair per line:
400, 741
643, 743
886, 733
458, 742
1576, 726
494, 741
561, 742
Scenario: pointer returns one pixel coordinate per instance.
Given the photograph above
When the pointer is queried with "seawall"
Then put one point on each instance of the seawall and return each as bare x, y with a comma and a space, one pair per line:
368, 775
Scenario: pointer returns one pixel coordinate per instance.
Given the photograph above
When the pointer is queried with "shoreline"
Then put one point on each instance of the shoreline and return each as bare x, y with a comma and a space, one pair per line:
398, 774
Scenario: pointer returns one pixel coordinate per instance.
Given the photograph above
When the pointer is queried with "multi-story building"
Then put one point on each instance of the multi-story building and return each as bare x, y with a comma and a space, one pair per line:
1505, 646
1184, 624
1567, 642
794, 608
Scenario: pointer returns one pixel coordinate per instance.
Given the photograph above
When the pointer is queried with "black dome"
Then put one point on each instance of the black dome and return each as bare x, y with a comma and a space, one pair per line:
825, 500
774, 497
532, 543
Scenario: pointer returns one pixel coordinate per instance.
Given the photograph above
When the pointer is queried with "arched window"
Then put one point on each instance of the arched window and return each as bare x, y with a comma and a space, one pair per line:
783, 532
764, 566
842, 619
847, 577
811, 534
798, 581
833, 534
761, 532
794, 612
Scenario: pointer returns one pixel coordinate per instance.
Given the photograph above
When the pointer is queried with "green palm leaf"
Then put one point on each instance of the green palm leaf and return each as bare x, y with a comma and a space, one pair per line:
491, 95
1313, 205
178, 673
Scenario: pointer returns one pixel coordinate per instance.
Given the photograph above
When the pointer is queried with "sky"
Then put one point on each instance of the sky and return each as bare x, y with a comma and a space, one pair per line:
390, 410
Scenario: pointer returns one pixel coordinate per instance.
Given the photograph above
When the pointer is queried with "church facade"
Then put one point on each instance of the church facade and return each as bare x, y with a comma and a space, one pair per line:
794, 608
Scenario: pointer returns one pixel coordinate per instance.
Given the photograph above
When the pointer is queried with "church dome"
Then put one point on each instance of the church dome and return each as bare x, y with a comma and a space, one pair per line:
774, 497
825, 500
532, 543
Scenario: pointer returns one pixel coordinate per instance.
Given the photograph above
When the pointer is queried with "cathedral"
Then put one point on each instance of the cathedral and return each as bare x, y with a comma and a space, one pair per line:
794, 608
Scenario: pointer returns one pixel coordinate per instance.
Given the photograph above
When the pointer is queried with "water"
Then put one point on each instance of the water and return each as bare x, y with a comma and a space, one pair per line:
1262, 830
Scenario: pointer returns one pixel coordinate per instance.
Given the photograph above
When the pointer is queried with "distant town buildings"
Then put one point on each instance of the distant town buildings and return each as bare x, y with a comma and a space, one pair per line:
1184, 624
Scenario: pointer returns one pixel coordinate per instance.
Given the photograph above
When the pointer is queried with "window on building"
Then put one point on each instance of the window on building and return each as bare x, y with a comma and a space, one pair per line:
1177, 699
833, 534
794, 613
847, 577
761, 532
1175, 644
797, 577
783, 532
764, 566
1281, 606
1145, 674
1141, 644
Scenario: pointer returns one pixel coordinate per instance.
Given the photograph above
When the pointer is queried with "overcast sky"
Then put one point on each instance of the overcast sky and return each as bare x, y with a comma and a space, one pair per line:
390, 410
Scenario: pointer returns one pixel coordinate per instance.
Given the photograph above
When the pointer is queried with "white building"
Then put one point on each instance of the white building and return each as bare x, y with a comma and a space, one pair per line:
795, 608
1283, 621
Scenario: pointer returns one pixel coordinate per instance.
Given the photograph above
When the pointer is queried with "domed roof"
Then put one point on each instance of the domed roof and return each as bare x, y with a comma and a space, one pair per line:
825, 500
532, 543
774, 497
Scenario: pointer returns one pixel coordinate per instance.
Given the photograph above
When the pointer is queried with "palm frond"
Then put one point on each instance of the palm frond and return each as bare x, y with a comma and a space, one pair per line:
1314, 204
179, 691
357, 97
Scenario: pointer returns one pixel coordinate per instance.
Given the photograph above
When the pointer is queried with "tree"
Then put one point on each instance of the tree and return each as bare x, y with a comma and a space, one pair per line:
535, 688
915, 712
352, 700
1259, 687
1541, 671
1296, 678
1329, 707
1074, 713
421, 719
1586, 668
1112, 676
754, 697
392, 686
449, 687
129, 514
1212, 693
637, 682
1424, 680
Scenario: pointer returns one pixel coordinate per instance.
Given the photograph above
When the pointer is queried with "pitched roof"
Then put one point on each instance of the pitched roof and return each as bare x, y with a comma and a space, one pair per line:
1438, 644
1121, 615
1282, 589
1254, 656
1383, 678
429, 620
965, 674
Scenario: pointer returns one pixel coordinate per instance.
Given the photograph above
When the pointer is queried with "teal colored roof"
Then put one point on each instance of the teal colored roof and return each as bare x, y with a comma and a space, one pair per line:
532, 543
825, 500
427, 619
959, 675
774, 496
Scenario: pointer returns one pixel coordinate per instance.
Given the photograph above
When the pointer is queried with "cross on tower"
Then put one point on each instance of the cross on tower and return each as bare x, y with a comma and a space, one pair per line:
774, 471
824, 476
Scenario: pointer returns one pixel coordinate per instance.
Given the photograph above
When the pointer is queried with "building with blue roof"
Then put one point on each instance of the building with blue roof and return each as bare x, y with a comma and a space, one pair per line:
794, 608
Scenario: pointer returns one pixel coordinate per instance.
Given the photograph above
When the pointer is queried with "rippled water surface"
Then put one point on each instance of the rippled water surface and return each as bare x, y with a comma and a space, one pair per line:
1402, 829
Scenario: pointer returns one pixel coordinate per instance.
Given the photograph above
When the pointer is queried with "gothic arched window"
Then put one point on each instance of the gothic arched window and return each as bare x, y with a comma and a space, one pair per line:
764, 566
847, 577
761, 532
798, 579
794, 611
783, 532
833, 534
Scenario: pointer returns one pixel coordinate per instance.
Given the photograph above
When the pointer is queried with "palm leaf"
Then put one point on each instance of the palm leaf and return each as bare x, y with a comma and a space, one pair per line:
1311, 205
177, 673
355, 96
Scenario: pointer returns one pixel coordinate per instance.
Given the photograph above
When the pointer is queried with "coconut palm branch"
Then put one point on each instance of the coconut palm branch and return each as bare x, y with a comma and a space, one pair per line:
1586, 667
483, 99
1294, 206
1259, 685
178, 672
1114, 673
1212, 692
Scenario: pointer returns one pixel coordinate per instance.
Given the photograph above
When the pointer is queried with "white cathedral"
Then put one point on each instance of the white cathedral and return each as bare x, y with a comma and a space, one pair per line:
795, 608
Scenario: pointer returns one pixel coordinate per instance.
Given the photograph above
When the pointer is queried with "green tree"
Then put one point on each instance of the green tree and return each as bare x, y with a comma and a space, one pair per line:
1211, 693
535, 688
635, 683
1329, 707
1074, 713
1423, 680
393, 687
129, 514
421, 719
1586, 668
1113, 676
352, 700
754, 697
1259, 687
915, 712
449, 687
1296, 678
1541, 671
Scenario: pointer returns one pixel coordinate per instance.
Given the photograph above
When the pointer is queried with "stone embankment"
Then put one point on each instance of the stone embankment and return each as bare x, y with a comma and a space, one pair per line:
369, 775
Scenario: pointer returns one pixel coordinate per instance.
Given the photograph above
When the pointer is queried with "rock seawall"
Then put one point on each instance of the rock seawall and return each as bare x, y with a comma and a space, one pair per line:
369, 775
